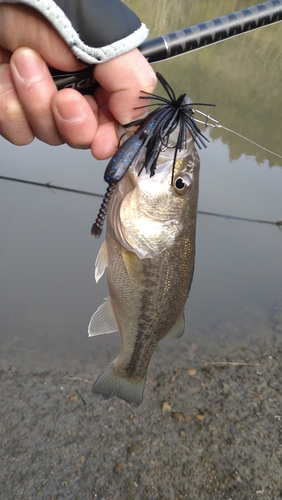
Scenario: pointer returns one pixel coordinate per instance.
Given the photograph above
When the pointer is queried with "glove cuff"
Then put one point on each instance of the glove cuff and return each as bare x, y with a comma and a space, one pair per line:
95, 30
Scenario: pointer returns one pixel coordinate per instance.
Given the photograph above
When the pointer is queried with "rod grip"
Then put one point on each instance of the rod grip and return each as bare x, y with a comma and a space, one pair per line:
82, 80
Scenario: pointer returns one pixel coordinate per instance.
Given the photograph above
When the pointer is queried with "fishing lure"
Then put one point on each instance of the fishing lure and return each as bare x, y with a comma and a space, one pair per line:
150, 138
132, 148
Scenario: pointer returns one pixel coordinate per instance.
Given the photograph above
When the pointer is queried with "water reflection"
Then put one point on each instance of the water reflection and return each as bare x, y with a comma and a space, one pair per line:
48, 291
47, 288
242, 76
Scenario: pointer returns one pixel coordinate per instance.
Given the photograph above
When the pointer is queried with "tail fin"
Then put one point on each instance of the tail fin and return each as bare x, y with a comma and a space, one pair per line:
111, 384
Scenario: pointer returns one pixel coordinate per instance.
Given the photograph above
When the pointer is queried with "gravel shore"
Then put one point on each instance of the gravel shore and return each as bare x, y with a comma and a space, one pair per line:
209, 430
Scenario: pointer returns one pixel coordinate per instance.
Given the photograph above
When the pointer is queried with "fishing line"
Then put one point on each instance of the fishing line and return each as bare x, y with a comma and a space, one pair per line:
211, 125
249, 140
216, 124
51, 186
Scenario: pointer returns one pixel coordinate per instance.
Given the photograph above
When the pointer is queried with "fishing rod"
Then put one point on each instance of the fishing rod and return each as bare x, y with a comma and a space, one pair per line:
185, 40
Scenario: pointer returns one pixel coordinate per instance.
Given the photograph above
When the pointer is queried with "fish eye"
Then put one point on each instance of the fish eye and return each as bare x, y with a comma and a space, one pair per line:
183, 184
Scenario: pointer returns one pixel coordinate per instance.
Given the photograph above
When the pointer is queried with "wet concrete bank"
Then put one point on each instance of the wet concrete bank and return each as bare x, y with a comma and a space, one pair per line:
204, 430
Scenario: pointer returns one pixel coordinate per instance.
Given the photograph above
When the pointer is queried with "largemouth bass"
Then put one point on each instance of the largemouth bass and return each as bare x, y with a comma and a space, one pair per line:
149, 253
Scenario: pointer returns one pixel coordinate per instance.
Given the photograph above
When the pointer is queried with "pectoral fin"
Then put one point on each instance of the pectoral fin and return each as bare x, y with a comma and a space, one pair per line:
178, 328
103, 320
101, 261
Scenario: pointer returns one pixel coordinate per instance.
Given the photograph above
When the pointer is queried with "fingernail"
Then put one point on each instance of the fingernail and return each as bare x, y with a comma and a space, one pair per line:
29, 66
71, 110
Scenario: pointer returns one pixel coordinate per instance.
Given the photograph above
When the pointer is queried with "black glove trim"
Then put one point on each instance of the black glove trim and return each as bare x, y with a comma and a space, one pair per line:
82, 50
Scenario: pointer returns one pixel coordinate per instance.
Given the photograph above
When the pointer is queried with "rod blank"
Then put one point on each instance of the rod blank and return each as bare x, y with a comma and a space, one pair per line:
210, 32
185, 40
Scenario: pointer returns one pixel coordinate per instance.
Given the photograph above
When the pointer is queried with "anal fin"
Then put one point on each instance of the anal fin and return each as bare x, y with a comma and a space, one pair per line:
178, 327
103, 320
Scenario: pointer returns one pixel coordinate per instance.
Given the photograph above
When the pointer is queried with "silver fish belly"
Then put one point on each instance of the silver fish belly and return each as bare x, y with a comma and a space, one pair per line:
149, 253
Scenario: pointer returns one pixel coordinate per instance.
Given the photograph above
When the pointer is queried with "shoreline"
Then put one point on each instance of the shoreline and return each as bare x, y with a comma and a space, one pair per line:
204, 430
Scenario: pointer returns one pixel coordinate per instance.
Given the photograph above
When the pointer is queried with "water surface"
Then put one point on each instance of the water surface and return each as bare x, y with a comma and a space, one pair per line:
47, 288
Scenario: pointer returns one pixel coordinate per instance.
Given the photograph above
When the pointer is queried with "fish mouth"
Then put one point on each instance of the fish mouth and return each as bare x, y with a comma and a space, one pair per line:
166, 160
187, 143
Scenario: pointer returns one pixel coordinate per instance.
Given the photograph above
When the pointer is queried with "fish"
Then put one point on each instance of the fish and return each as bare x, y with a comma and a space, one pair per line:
149, 254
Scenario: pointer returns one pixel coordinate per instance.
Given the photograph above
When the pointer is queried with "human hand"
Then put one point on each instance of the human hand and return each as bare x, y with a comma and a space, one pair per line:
30, 104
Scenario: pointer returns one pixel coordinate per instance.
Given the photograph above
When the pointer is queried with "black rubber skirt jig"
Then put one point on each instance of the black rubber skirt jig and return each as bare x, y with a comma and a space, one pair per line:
150, 138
